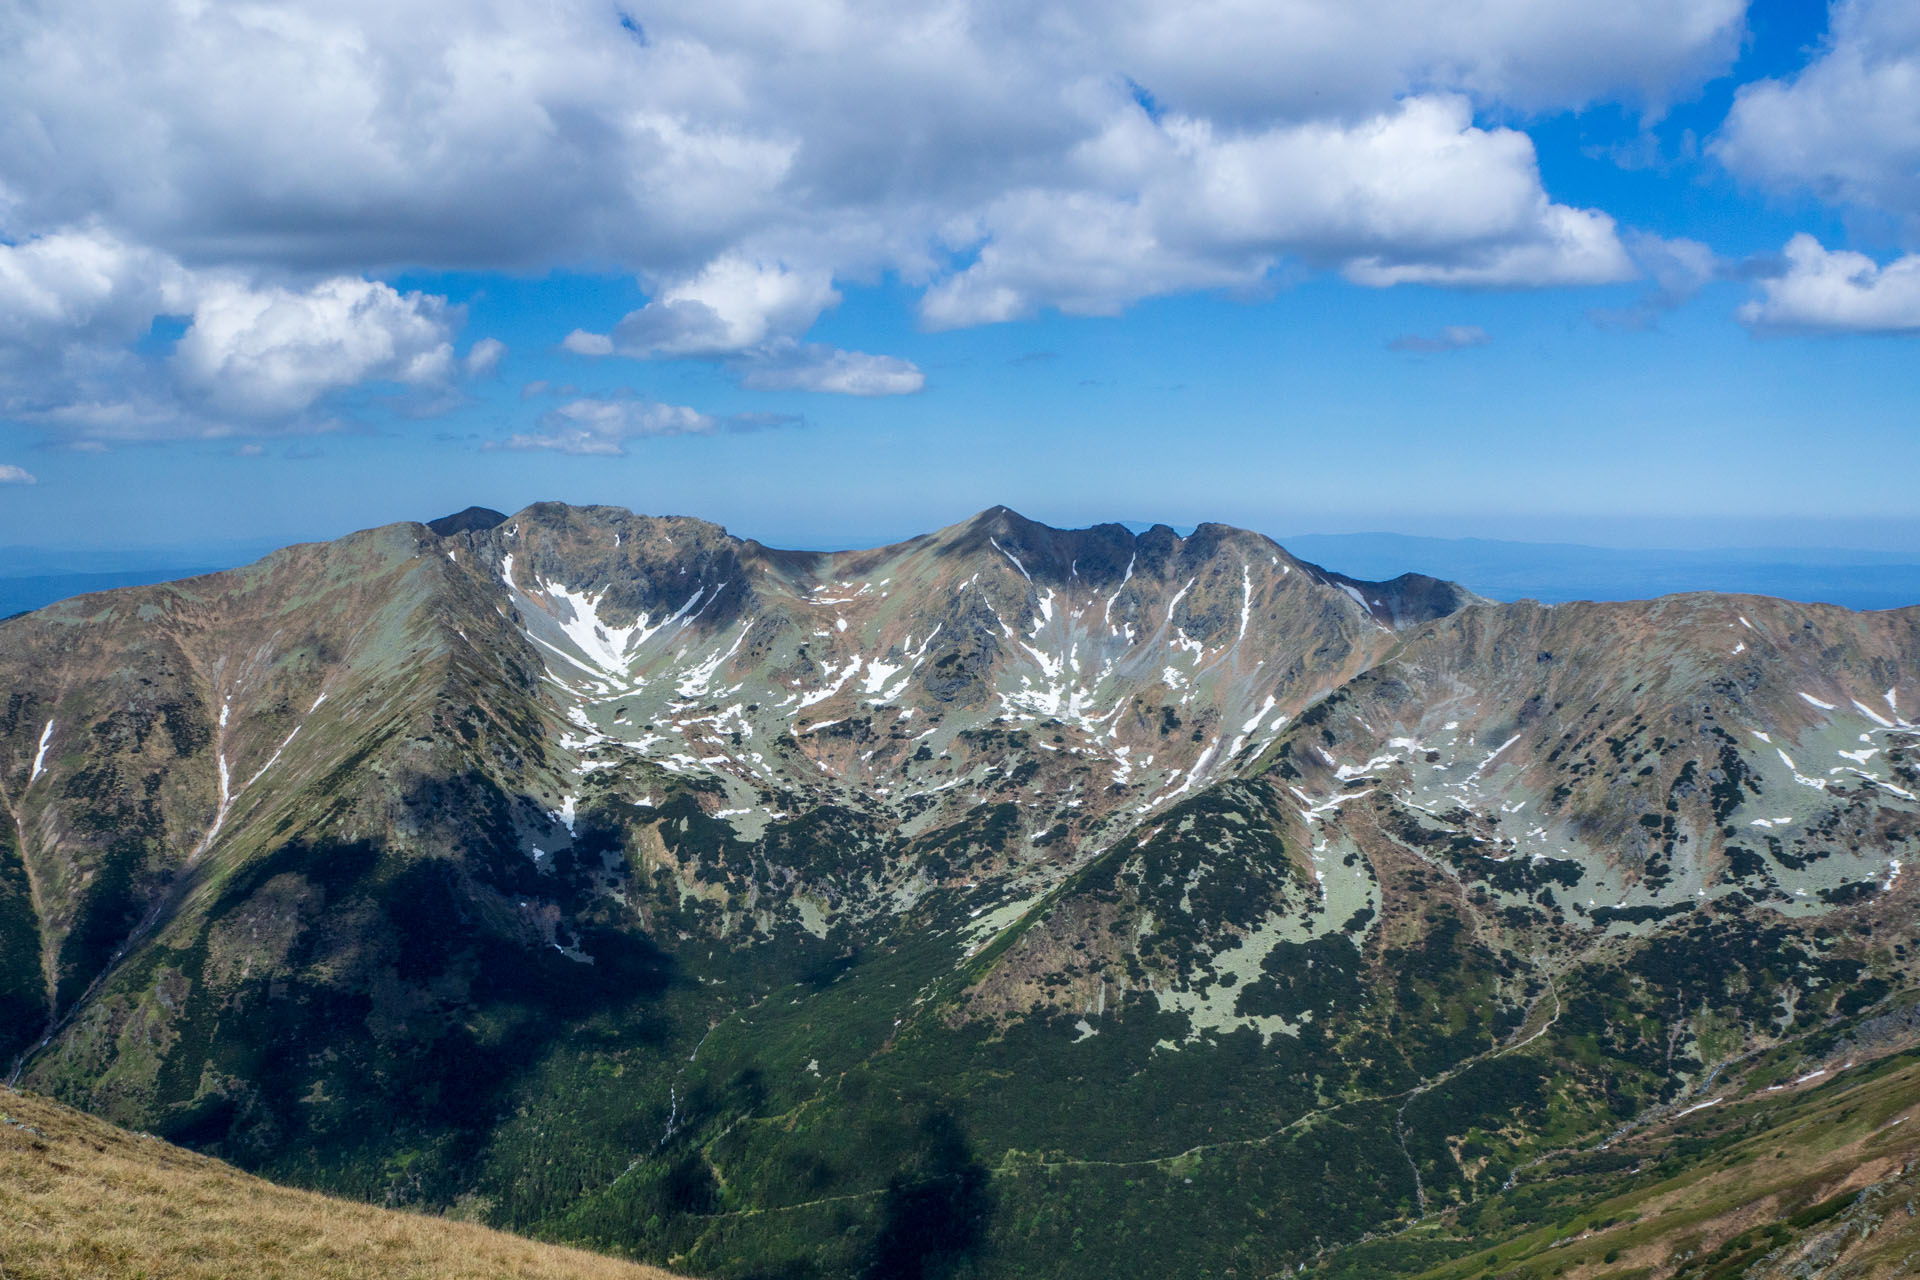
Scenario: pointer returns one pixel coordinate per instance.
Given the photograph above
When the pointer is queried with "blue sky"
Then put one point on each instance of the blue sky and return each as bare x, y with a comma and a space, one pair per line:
833, 273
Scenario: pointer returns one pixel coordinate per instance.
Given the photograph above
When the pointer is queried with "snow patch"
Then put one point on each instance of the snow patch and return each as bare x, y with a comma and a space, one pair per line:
40, 756
1246, 603
1016, 560
1872, 715
1258, 716
1494, 753
1124, 579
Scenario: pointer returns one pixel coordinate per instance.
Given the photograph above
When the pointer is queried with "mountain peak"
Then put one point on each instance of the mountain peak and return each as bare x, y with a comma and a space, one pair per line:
1040, 552
472, 520
594, 814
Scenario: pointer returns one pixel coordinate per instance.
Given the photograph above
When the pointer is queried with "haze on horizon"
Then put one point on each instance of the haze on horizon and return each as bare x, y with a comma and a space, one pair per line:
1640, 275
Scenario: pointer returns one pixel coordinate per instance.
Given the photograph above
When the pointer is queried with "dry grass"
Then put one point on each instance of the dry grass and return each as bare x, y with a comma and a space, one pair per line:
83, 1199
1824, 1144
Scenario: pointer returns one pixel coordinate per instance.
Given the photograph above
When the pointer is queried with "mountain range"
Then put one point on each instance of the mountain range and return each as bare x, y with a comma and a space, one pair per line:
1006, 901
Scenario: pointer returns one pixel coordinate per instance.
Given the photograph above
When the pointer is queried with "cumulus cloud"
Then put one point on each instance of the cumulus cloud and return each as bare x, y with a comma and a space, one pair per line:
1563, 246
271, 353
359, 135
10, 474
732, 305
262, 170
248, 357
1416, 194
1846, 127
1837, 291
83, 283
1453, 337
750, 315
356, 137
1245, 57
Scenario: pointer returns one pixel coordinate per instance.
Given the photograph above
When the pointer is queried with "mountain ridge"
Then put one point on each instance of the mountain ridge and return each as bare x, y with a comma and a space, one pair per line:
641, 881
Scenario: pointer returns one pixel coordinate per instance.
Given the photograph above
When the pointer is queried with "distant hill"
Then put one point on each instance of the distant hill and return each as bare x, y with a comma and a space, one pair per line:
84, 1200
1551, 572
1554, 572
37, 591
35, 577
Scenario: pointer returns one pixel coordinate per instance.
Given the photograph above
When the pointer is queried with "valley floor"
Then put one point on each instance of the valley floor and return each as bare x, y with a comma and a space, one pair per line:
1800, 1179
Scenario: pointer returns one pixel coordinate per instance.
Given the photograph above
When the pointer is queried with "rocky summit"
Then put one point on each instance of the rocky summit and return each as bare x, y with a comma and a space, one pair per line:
1007, 901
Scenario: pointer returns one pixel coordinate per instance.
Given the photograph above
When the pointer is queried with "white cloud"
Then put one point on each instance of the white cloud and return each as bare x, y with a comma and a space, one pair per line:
811, 366
1251, 57
484, 357
83, 282
751, 315
1562, 247
249, 357
71, 302
1847, 127
594, 426
582, 343
1838, 291
603, 426
356, 135
10, 474
730, 306
271, 353
741, 166
1416, 194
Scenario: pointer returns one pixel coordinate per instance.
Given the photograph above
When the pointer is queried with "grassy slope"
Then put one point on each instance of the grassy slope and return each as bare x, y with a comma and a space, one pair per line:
1815, 1181
79, 1197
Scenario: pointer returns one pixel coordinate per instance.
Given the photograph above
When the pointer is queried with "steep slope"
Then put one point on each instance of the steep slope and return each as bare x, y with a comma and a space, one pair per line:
150, 729
1563, 771
998, 622
1775, 1176
216, 764
82, 1199
312, 841
907, 910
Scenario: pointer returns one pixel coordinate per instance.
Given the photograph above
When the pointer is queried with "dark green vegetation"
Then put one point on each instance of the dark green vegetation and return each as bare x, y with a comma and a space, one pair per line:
393, 868
1812, 1181
23, 993
840, 1118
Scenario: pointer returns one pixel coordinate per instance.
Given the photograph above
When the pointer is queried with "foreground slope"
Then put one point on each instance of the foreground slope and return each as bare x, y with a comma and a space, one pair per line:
909, 910
1777, 1176
80, 1198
